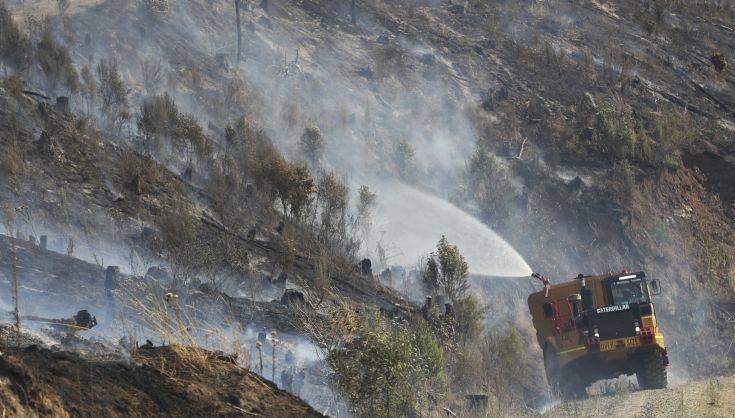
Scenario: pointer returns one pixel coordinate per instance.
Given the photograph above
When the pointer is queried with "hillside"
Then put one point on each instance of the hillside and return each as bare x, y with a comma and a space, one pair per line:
294, 175
158, 381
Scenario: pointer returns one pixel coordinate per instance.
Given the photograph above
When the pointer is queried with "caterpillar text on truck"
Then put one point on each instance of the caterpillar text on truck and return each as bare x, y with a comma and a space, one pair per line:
599, 327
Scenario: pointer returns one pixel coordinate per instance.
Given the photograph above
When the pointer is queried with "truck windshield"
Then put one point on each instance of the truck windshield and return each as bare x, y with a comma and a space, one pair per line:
629, 291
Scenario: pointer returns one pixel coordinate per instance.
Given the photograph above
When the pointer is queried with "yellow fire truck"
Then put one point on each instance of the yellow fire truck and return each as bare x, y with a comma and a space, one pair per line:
599, 327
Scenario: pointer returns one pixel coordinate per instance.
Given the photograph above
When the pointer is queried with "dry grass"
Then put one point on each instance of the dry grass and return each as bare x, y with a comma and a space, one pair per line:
12, 163
186, 330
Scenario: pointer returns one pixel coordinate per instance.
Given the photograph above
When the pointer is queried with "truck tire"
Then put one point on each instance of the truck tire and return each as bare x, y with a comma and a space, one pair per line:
565, 385
651, 373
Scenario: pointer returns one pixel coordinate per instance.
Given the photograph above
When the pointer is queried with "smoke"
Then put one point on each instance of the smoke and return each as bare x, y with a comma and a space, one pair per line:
411, 222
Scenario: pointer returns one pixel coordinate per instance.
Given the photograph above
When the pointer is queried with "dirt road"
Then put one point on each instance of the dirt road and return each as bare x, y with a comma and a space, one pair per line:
704, 398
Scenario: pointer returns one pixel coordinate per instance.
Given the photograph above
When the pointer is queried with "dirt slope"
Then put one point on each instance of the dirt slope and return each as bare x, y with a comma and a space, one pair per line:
159, 381
710, 398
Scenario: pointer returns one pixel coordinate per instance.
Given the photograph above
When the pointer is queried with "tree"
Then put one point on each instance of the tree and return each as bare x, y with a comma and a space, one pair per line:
15, 48
405, 160
88, 87
490, 185
311, 145
365, 204
447, 271
112, 89
332, 197
56, 64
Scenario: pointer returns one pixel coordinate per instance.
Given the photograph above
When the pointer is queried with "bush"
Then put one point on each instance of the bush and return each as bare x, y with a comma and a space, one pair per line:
88, 87
159, 118
11, 161
15, 48
56, 64
365, 204
468, 318
380, 369
333, 198
157, 7
616, 135
672, 131
152, 75
14, 85
490, 186
447, 271
181, 246
405, 160
311, 145
111, 88
290, 183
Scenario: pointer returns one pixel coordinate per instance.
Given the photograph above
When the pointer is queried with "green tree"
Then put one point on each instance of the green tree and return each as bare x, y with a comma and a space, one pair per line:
447, 271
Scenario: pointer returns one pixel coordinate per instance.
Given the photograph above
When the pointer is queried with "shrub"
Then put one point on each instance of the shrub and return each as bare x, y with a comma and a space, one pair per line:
333, 198
157, 7
14, 85
290, 183
111, 88
405, 160
616, 136
159, 118
11, 161
322, 278
180, 244
490, 186
468, 317
152, 75
447, 271
56, 64
15, 48
311, 145
672, 131
381, 367
365, 204
286, 252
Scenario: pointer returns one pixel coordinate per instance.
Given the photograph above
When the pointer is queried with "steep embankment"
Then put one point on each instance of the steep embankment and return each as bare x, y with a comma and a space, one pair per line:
158, 381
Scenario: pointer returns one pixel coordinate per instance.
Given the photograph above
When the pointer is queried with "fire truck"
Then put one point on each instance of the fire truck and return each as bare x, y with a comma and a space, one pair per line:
599, 327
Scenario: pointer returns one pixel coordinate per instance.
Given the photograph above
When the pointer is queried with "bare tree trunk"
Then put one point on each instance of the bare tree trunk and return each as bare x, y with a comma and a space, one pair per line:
239, 31
352, 12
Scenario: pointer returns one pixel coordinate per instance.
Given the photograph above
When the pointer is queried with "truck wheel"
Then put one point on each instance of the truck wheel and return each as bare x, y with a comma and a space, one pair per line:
567, 386
651, 373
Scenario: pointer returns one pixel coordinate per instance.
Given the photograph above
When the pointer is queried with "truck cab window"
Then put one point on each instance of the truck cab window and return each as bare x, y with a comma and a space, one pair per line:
629, 291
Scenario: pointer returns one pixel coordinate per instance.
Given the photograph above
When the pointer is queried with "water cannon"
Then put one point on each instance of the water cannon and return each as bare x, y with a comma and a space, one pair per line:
545, 281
